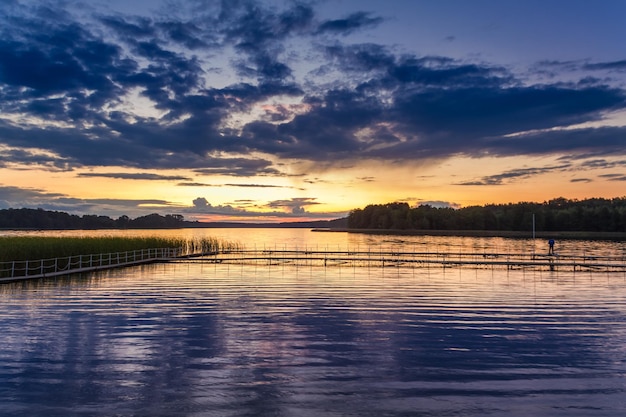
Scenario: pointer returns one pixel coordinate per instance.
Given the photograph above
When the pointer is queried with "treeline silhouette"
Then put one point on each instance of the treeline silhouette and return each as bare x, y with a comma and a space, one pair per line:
560, 214
25, 218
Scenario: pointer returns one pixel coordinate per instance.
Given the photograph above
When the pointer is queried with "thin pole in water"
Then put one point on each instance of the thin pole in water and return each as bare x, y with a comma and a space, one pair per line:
534, 244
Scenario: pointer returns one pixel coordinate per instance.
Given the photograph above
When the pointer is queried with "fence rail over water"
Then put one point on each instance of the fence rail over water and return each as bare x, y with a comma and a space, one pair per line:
32, 269
390, 258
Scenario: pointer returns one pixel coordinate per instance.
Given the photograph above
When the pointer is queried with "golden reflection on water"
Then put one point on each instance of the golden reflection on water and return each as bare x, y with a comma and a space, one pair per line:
303, 238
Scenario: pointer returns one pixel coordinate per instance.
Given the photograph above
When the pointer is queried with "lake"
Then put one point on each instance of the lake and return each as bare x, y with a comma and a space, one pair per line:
199, 339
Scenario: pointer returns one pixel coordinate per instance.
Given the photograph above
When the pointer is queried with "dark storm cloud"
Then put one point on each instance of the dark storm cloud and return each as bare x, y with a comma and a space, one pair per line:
37, 198
251, 25
505, 177
293, 205
195, 184
360, 57
199, 184
184, 33
202, 205
135, 28
131, 27
603, 164
583, 65
413, 72
64, 83
58, 61
239, 167
16, 193
486, 113
349, 24
288, 208
135, 176
610, 66
614, 177
443, 72
258, 33
130, 202
253, 185
328, 131
24, 159
607, 140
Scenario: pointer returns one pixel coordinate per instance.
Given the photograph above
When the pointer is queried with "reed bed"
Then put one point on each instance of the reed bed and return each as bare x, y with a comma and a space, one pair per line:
23, 248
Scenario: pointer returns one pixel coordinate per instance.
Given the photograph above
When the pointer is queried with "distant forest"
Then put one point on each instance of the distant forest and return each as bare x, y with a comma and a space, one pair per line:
591, 215
25, 218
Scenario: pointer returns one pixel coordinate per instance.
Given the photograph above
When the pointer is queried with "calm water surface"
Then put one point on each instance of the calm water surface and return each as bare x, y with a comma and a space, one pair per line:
258, 340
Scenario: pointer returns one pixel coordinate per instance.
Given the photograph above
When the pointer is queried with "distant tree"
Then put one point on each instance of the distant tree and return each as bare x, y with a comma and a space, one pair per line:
122, 222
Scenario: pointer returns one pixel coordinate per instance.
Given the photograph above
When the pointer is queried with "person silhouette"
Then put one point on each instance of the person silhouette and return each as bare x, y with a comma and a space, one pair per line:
551, 247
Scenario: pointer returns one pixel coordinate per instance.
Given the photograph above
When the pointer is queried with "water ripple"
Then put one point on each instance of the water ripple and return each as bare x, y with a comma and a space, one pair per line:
198, 340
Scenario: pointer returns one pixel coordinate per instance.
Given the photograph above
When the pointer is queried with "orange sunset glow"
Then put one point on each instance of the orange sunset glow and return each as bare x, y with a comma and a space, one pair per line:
272, 111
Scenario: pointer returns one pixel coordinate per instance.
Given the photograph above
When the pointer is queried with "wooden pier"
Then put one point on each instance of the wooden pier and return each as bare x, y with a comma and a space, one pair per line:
387, 258
45, 268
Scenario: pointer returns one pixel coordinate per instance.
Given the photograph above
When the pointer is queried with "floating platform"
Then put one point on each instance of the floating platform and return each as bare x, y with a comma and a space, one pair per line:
326, 258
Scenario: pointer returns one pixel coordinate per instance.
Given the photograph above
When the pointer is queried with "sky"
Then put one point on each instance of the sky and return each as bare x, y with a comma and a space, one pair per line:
277, 110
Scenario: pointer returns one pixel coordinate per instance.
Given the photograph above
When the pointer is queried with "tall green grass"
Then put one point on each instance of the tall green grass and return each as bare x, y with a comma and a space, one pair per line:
22, 248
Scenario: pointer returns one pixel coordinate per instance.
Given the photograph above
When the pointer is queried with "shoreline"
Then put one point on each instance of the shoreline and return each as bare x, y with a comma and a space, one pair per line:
614, 236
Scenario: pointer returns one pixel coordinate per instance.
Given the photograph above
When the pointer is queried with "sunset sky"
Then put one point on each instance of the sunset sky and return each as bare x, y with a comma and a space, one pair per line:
291, 110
